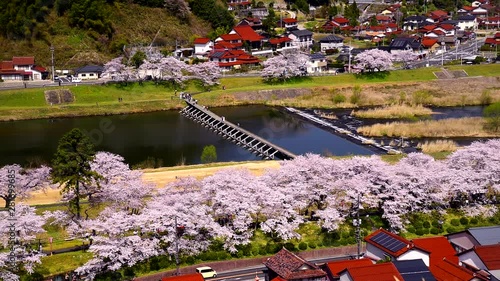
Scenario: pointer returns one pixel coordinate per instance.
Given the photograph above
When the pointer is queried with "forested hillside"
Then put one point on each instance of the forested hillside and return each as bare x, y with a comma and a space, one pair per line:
93, 31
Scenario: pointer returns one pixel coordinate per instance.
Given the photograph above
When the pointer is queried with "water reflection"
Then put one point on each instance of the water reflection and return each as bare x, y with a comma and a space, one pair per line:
168, 137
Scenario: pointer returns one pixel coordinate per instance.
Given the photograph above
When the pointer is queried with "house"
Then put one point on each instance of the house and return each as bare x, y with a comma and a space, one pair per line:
301, 38
448, 29
447, 270
337, 22
430, 44
382, 244
185, 277
490, 22
334, 268
467, 22
465, 10
476, 236
403, 44
414, 270
439, 15
415, 22
281, 43
248, 35
493, 41
379, 272
317, 63
483, 258
22, 69
234, 40
253, 22
480, 12
233, 5
89, 72
288, 23
286, 265
232, 59
331, 42
381, 19
202, 46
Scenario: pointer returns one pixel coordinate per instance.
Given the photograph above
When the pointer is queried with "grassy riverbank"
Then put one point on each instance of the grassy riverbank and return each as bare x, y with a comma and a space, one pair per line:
394, 112
375, 89
462, 127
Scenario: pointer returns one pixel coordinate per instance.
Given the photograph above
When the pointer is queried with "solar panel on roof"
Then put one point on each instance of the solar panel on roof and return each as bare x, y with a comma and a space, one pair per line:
388, 242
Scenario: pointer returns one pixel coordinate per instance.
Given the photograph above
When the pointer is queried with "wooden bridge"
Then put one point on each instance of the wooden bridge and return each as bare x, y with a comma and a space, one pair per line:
234, 133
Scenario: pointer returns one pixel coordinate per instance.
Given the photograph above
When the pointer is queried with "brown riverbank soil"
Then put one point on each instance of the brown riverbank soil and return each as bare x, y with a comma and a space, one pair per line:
162, 176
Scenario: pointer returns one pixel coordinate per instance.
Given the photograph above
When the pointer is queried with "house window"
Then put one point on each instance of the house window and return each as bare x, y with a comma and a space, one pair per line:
91, 74
83, 74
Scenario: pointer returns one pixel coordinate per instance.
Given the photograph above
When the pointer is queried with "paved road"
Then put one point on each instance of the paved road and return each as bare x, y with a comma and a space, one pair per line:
249, 274
44, 83
467, 49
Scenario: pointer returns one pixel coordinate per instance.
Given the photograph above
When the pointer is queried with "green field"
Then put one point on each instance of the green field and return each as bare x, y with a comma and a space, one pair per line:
103, 100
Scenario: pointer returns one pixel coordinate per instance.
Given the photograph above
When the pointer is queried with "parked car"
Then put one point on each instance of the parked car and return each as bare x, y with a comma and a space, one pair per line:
56, 78
75, 79
206, 272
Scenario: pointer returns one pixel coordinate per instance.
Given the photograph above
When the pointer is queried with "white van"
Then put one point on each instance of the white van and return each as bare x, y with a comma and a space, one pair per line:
75, 79
206, 272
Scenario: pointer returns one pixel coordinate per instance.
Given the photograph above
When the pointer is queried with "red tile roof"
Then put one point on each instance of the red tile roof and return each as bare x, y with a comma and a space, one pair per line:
446, 270
497, 35
427, 43
187, 277
492, 41
246, 3
489, 255
39, 68
468, 8
275, 41
230, 37
290, 266
397, 237
289, 20
23, 60
382, 271
337, 266
439, 247
6, 65
247, 33
201, 40
446, 26
439, 13
382, 18
340, 20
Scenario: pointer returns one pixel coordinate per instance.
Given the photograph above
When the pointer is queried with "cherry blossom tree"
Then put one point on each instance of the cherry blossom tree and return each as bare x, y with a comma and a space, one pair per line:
405, 57
285, 66
374, 60
27, 225
208, 72
118, 71
26, 181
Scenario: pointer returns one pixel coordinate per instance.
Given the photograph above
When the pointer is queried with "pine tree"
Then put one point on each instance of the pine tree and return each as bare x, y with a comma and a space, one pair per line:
71, 167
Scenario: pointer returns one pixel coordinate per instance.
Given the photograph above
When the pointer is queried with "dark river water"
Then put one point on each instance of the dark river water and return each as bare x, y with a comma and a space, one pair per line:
168, 137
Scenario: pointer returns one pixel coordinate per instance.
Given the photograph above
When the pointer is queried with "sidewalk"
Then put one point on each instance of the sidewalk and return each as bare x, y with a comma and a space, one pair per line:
221, 266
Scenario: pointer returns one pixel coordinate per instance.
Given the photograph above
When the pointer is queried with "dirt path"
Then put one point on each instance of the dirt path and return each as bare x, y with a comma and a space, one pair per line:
163, 176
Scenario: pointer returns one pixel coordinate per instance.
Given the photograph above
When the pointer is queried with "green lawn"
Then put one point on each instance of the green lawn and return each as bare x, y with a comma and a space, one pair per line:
101, 100
61, 263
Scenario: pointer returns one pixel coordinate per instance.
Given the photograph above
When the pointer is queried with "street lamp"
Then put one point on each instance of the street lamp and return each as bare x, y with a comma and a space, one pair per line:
442, 53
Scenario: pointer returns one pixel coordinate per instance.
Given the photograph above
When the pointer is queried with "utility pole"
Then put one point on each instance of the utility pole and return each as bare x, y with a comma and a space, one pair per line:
349, 69
52, 56
442, 53
357, 224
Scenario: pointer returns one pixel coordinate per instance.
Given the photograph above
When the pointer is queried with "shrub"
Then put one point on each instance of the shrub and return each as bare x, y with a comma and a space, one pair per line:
485, 97
455, 222
339, 98
451, 229
303, 246
435, 231
312, 245
419, 231
421, 97
426, 224
410, 229
262, 251
436, 224
209, 154
418, 224
464, 221
356, 95
492, 115
474, 221
290, 246
190, 260
154, 264
425, 230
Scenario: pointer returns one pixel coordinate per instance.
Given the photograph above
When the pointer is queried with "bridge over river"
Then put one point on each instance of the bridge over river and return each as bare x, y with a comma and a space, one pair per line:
233, 132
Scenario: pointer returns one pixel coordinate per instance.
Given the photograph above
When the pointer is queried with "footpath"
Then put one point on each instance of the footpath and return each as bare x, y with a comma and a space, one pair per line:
221, 266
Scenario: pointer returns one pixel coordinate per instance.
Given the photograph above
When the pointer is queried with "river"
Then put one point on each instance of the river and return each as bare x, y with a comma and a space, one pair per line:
167, 138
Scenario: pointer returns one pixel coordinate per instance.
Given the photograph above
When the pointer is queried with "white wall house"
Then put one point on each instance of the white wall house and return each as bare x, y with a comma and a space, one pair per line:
316, 64
301, 38
202, 46
467, 22
331, 42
